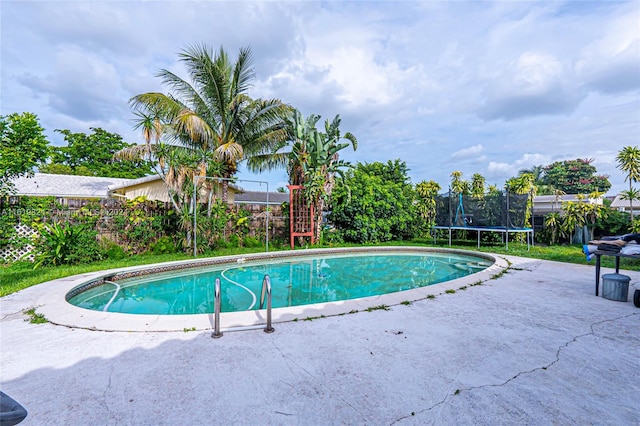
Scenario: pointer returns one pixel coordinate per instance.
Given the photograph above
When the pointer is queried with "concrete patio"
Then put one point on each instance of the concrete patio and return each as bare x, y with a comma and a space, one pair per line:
534, 346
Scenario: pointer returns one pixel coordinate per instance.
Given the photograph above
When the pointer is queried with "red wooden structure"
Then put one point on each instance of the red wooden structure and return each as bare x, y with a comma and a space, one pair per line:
301, 218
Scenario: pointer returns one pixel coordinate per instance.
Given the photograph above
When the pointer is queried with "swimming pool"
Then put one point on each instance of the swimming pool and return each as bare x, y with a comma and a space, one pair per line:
299, 281
54, 303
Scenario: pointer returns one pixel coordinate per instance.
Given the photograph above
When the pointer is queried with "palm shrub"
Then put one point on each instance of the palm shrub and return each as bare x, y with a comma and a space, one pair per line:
629, 162
553, 225
426, 193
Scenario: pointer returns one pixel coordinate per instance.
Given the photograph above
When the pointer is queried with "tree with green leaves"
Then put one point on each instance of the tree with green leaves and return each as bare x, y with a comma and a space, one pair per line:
213, 112
23, 146
93, 155
629, 162
542, 188
369, 208
574, 177
572, 217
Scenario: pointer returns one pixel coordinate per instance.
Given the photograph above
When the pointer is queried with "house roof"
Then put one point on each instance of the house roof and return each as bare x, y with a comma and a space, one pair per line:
560, 198
259, 197
618, 202
67, 186
548, 203
131, 182
150, 178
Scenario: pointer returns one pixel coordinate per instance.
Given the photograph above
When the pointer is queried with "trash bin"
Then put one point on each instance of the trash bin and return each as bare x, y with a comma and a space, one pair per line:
615, 287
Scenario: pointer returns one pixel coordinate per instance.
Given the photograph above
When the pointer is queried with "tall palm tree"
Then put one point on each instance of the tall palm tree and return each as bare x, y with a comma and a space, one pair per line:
629, 162
213, 111
152, 129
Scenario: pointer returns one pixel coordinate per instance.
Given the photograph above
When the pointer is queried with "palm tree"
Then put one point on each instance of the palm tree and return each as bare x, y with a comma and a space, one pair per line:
459, 185
477, 186
213, 112
291, 154
629, 162
536, 171
630, 194
553, 222
573, 217
323, 164
522, 184
152, 128
427, 192
312, 159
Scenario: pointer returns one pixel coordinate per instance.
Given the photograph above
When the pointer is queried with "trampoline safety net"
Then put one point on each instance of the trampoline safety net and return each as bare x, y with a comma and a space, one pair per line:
495, 210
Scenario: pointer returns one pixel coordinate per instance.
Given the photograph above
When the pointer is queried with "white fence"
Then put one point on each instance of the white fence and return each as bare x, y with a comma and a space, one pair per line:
10, 254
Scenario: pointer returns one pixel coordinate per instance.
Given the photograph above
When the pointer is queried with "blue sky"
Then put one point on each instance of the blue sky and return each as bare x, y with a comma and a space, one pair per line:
480, 87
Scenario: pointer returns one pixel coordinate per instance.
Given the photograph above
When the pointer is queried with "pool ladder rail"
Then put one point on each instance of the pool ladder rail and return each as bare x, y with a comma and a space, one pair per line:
264, 294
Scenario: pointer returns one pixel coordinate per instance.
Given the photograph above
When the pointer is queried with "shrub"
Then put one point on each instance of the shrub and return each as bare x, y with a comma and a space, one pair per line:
331, 236
234, 240
251, 242
112, 250
66, 244
164, 245
613, 223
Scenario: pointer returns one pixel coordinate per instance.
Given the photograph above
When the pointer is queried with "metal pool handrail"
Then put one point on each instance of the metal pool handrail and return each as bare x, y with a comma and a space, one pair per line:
216, 310
266, 291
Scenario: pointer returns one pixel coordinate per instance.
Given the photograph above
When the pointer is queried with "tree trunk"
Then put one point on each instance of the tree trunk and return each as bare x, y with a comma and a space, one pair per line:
318, 212
630, 203
225, 191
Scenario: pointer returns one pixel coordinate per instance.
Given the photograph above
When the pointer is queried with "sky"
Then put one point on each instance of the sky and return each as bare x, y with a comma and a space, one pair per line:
479, 87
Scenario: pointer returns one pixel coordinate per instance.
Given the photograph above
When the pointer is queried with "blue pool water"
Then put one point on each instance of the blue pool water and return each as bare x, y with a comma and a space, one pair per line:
294, 281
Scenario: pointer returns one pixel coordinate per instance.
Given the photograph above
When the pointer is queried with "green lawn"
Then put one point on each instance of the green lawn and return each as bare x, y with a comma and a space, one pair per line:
21, 275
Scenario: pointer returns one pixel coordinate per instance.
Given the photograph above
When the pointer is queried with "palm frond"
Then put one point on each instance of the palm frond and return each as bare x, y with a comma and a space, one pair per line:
229, 152
131, 153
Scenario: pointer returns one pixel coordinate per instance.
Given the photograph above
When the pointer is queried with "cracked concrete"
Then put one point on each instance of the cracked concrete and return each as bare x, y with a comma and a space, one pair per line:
534, 346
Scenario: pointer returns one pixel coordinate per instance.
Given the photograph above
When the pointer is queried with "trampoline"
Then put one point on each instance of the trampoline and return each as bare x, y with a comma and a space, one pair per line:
500, 212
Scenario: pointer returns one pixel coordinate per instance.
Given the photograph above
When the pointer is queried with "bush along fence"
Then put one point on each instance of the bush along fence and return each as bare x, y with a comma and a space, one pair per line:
42, 230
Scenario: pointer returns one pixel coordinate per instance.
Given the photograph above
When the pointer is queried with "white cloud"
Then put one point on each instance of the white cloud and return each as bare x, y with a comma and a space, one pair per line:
529, 160
471, 152
501, 169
